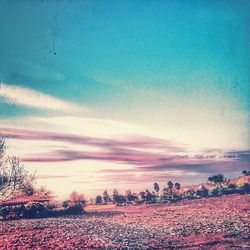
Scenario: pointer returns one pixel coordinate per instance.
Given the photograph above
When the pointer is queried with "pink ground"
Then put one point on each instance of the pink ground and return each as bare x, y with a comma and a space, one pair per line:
213, 223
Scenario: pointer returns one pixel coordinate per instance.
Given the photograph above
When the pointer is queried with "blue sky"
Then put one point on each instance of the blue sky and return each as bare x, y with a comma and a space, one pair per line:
174, 70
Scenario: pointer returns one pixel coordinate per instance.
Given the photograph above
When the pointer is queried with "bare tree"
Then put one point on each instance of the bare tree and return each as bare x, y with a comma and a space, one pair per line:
42, 192
2, 148
77, 199
13, 176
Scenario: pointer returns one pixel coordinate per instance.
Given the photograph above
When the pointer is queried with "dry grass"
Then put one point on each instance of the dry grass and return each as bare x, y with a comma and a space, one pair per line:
213, 223
96, 208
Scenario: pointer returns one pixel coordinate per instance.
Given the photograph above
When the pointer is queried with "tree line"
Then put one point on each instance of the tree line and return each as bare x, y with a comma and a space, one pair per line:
15, 180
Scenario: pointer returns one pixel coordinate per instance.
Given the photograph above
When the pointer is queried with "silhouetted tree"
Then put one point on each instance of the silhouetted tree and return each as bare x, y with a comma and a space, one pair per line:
76, 199
170, 186
119, 199
106, 197
130, 196
202, 191
217, 179
98, 200
65, 204
156, 188
177, 186
143, 195
115, 192
148, 195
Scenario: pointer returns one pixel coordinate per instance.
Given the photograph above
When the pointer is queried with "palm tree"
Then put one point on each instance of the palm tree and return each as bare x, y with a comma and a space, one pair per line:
170, 186
105, 197
177, 185
156, 187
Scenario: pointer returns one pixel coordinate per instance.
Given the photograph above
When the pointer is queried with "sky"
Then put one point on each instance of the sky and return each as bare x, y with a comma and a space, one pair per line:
100, 95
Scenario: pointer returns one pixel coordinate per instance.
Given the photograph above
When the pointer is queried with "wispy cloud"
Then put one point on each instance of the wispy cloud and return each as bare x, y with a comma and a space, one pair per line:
34, 99
134, 151
120, 160
139, 142
52, 176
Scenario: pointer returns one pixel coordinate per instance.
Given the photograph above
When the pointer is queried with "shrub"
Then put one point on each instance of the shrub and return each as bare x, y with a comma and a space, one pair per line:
98, 200
231, 190
203, 192
214, 192
4, 212
246, 188
119, 199
34, 210
231, 186
74, 210
65, 204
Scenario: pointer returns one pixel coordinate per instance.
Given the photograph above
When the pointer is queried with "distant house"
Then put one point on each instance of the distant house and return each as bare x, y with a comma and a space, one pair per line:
208, 186
22, 200
242, 180
231, 181
239, 182
195, 188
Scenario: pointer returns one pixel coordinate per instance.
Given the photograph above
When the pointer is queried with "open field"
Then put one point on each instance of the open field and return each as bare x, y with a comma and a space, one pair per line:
213, 223
96, 208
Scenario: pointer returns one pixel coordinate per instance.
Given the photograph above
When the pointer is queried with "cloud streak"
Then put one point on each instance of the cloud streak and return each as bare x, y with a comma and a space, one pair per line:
140, 142
145, 158
13, 94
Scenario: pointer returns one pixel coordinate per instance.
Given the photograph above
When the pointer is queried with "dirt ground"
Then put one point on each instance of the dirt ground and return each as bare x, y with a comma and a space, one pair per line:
212, 223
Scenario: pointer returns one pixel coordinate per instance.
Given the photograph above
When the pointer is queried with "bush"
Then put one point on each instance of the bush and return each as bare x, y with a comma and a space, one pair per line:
231, 190
74, 210
213, 192
190, 197
202, 192
65, 204
246, 188
119, 199
34, 210
4, 212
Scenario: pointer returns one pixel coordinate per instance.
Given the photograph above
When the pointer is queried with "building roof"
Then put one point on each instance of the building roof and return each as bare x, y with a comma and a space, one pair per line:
195, 188
243, 180
232, 181
240, 181
22, 200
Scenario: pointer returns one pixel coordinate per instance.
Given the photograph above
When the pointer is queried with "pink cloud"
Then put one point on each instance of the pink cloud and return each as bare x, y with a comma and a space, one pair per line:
130, 142
134, 151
